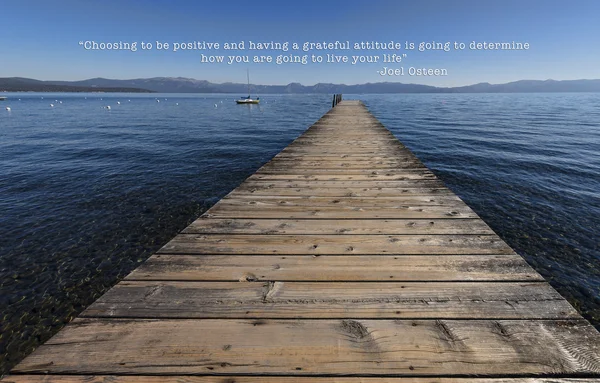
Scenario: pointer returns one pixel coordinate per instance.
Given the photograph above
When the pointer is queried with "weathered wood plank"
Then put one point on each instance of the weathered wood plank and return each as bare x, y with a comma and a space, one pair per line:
356, 171
344, 177
318, 142
348, 156
332, 155
338, 166
342, 192
207, 225
314, 144
403, 200
294, 300
316, 185
304, 347
338, 152
335, 268
272, 379
381, 148
335, 244
329, 135
386, 154
305, 158
274, 210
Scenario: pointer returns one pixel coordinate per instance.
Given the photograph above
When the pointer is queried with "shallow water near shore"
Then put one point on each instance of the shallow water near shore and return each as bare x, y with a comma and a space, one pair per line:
88, 193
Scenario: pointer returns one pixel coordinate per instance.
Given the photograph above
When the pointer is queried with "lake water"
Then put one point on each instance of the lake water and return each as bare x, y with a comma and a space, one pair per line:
87, 193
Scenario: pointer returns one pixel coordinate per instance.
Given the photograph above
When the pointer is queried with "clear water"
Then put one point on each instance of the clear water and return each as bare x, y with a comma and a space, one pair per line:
86, 193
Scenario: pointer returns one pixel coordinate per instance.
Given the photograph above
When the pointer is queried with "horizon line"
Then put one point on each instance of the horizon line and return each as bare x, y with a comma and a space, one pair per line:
318, 83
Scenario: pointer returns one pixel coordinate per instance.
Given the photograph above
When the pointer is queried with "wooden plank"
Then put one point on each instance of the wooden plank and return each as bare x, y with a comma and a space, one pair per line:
328, 141
315, 146
304, 347
338, 152
329, 136
325, 143
335, 268
272, 379
335, 244
321, 129
357, 171
299, 153
363, 160
389, 153
344, 177
325, 134
339, 166
439, 200
313, 184
293, 165
315, 138
342, 192
208, 225
271, 210
336, 156
420, 200
348, 156
389, 156
446, 300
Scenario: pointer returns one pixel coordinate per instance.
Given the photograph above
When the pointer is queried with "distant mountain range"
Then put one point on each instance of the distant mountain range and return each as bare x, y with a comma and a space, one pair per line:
19, 84
190, 85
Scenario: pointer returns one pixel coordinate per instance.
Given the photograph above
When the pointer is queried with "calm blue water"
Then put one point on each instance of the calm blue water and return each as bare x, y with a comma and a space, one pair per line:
87, 193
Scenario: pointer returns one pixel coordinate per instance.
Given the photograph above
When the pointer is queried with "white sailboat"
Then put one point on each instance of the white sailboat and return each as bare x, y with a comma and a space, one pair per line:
249, 99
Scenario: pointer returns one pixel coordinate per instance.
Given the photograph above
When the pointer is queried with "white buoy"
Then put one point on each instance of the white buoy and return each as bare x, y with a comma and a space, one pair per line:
60, 102
118, 102
8, 108
52, 105
128, 100
215, 105
55, 100
19, 99
176, 103
108, 107
157, 100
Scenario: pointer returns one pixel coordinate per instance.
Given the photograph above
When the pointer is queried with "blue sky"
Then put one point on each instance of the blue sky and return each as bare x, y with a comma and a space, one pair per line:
39, 39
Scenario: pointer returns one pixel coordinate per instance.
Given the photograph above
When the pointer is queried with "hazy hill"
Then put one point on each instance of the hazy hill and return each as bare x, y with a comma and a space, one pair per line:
19, 84
190, 85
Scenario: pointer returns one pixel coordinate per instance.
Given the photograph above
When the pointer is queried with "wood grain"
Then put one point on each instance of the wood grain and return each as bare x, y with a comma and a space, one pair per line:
335, 268
440, 300
273, 379
270, 210
411, 201
208, 224
335, 244
396, 176
304, 347
341, 192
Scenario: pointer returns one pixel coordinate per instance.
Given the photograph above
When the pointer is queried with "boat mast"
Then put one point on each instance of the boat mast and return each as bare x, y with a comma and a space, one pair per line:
248, 76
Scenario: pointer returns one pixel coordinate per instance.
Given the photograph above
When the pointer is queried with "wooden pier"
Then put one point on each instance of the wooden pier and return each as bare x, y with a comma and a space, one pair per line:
343, 259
